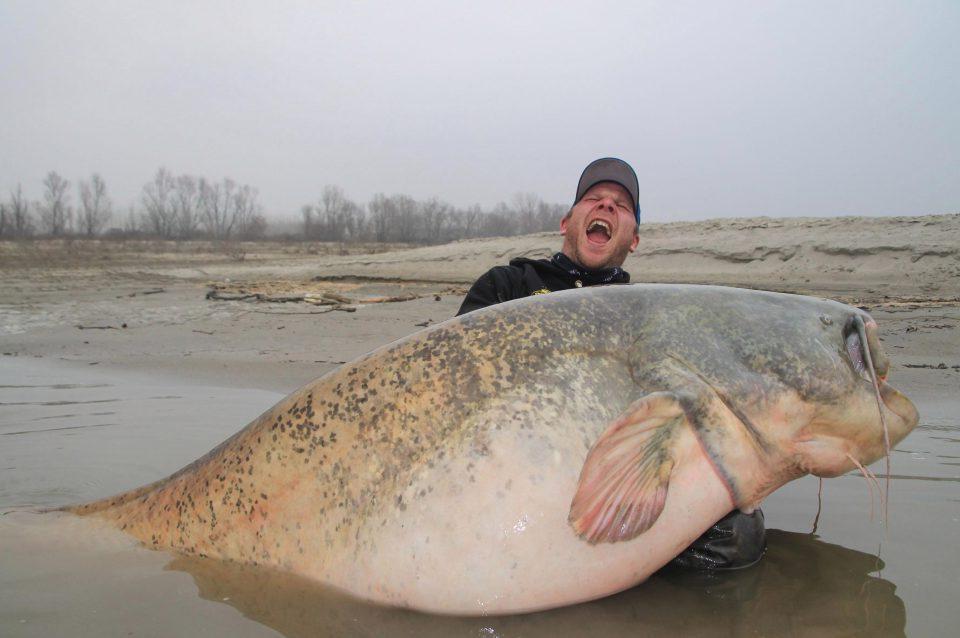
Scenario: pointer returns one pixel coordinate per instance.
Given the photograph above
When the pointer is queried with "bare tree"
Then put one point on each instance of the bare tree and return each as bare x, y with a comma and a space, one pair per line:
525, 212
500, 222
471, 220
330, 213
256, 228
186, 205
214, 207
308, 223
21, 221
15, 218
245, 212
228, 210
160, 212
331, 199
337, 218
95, 206
407, 218
382, 214
395, 218
133, 224
436, 217
55, 211
549, 216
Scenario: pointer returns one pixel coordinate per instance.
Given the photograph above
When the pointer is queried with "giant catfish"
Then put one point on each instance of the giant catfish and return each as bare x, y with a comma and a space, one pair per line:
536, 453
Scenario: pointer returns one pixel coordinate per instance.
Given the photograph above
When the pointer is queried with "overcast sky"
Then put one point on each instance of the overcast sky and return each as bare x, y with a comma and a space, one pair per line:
754, 108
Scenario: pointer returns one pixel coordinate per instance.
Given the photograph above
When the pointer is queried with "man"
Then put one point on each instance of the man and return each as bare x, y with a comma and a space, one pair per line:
599, 232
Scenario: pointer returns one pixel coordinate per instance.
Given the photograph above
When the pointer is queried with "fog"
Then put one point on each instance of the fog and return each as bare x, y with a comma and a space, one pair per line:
761, 108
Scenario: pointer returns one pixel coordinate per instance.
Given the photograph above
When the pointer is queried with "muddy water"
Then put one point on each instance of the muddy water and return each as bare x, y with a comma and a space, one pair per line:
70, 434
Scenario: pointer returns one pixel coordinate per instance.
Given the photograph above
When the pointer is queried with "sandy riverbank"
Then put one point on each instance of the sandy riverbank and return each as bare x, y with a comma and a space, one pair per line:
144, 305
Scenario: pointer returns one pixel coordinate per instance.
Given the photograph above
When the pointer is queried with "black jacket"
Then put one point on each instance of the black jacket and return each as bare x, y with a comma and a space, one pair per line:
525, 277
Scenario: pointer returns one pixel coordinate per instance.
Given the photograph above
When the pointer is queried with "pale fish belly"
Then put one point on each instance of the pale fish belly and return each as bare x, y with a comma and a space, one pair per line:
489, 534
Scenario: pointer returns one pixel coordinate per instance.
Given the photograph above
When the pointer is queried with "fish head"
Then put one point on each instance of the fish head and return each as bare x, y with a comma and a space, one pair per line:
862, 416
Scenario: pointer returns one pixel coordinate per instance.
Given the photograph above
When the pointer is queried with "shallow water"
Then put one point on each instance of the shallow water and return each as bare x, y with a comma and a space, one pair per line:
71, 434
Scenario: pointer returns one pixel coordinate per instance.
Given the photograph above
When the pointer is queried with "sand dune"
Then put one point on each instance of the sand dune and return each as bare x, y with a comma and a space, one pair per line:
870, 258
916, 257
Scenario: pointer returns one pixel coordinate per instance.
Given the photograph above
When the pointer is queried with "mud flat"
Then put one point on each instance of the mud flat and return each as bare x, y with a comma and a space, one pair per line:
120, 362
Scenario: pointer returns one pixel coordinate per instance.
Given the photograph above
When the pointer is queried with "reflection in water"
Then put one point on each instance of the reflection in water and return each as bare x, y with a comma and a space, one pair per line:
803, 587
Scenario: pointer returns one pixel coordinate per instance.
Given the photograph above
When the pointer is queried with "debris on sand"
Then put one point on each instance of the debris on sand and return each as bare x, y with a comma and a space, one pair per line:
313, 293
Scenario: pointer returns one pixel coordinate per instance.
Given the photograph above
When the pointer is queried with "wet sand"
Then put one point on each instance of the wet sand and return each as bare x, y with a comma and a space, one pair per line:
156, 374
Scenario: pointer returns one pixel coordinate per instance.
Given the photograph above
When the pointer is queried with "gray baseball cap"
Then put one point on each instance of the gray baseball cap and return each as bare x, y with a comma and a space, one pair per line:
610, 169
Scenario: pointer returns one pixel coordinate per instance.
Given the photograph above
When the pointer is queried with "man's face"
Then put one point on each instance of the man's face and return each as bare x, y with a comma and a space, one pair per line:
601, 228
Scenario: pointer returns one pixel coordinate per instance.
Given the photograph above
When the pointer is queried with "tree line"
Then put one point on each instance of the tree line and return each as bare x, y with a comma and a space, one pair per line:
170, 207
184, 207
403, 219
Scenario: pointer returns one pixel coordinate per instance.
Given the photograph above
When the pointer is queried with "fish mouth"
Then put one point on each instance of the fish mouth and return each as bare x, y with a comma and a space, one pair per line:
899, 404
599, 231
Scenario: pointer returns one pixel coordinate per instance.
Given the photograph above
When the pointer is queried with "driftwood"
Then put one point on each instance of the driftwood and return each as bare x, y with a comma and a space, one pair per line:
309, 312
219, 295
392, 299
323, 299
332, 297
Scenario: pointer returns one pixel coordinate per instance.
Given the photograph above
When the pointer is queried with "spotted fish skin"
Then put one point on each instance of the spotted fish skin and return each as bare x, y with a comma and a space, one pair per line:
460, 447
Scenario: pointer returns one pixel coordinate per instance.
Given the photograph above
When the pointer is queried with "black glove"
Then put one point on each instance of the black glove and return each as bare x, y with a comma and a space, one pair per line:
737, 540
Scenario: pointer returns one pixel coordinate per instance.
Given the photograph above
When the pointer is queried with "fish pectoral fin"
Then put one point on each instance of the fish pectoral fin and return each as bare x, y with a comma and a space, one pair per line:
623, 483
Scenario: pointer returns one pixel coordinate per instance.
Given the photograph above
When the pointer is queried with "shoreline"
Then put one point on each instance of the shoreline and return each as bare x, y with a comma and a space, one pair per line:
144, 305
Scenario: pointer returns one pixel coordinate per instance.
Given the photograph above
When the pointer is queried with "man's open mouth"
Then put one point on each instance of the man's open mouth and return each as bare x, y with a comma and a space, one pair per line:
598, 231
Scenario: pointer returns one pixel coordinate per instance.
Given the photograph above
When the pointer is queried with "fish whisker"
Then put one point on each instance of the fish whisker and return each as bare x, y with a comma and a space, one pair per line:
862, 333
871, 482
